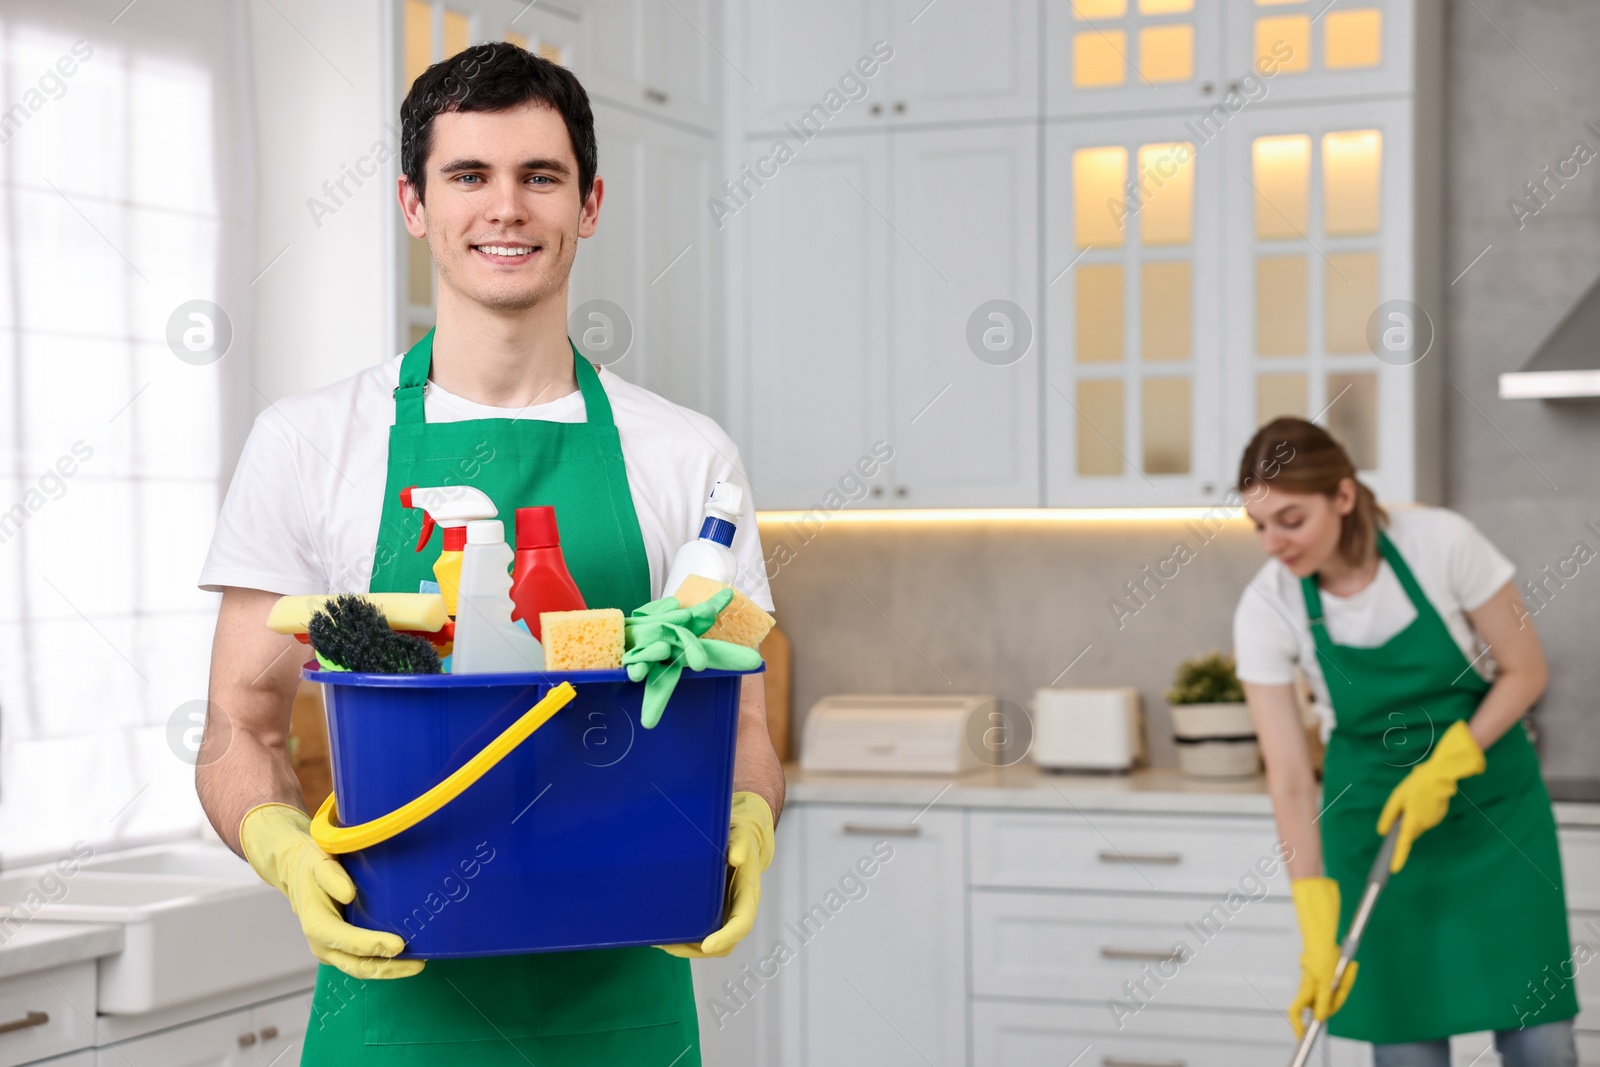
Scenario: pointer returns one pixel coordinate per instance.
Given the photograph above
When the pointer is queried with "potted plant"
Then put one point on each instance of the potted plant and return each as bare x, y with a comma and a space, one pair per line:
1210, 721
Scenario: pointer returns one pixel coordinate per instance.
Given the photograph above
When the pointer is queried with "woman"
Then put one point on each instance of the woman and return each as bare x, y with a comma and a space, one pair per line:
1385, 615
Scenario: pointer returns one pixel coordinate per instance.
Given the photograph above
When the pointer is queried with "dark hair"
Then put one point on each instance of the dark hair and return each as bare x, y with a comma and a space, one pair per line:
1314, 463
494, 77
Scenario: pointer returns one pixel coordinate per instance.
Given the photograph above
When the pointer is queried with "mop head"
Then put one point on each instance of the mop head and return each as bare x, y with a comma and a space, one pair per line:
350, 633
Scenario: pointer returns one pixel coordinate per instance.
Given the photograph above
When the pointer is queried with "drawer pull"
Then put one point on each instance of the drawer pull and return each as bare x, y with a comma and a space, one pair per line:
1121, 1061
246, 1040
868, 830
1172, 955
1140, 857
268, 1033
33, 1018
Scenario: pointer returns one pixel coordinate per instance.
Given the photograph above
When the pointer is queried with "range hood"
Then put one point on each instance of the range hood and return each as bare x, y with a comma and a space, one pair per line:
1567, 364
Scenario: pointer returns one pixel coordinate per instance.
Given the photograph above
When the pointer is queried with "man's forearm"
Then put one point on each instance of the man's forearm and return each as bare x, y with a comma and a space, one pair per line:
756, 768
252, 771
244, 752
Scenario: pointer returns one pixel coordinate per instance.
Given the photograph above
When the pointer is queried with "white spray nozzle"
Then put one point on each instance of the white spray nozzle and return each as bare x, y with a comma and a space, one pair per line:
448, 506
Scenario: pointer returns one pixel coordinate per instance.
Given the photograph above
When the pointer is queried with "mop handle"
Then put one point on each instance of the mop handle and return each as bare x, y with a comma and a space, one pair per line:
1377, 878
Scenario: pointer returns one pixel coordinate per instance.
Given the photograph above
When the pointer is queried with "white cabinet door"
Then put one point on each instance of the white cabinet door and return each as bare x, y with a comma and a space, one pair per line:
965, 397
1319, 216
280, 1028
796, 55
883, 952
1129, 56
816, 340
1357, 48
655, 57
653, 261
1131, 294
964, 61
223, 1041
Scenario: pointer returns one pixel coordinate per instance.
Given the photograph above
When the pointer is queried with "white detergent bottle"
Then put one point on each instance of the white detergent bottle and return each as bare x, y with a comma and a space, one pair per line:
487, 641
710, 555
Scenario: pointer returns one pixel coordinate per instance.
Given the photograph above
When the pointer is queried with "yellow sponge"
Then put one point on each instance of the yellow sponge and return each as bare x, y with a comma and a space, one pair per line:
741, 622
588, 640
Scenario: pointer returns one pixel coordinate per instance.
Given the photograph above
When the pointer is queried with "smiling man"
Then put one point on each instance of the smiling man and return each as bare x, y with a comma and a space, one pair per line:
499, 158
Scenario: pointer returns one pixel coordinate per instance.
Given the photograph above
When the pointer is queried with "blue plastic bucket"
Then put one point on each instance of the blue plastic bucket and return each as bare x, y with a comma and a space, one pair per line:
593, 833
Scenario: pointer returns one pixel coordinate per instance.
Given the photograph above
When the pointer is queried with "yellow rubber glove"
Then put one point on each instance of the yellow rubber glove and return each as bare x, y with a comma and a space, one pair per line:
1316, 904
276, 839
1422, 798
749, 853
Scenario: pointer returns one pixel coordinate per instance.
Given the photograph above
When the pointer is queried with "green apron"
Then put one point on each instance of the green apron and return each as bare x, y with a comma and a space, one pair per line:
1477, 919
562, 1009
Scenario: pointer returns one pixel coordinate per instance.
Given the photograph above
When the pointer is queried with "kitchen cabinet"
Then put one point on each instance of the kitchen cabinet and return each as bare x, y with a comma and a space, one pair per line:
1360, 48
656, 58
1131, 56
884, 953
44, 1012
876, 321
264, 1035
964, 419
1320, 205
645, 289
1175, 204
1125, 56
949, 63
1132, 297
817, 323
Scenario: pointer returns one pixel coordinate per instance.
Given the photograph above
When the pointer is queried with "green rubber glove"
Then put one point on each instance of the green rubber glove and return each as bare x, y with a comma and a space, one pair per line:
664, 637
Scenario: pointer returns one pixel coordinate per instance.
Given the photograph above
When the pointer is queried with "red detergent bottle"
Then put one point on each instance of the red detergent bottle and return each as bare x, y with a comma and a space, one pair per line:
540, 580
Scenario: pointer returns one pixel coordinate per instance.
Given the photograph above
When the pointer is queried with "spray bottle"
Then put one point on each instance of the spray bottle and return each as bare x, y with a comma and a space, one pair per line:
486, 640
709, 555
451, 507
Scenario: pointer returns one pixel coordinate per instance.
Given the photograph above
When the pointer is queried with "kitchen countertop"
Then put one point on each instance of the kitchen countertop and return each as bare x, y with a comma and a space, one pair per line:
1025, 785
38, 945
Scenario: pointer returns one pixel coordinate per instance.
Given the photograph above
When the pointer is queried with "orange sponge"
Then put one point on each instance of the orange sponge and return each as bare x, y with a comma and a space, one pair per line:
741, 622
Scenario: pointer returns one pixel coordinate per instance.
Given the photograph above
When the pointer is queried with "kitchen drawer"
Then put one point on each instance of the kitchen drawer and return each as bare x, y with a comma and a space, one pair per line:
1189, 952
55, 1008
1580, 868
1013, 1034
1588, 1048
1116, 852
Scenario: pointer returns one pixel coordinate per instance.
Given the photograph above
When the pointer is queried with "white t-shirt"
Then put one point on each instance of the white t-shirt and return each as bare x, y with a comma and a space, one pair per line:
302, 512
1456, 566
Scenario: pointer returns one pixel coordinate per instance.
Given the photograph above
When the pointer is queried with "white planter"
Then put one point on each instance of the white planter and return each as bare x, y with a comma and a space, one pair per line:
1216, 740
1212, 720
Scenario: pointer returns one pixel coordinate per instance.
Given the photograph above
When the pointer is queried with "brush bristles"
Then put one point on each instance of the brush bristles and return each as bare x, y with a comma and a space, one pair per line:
353, 633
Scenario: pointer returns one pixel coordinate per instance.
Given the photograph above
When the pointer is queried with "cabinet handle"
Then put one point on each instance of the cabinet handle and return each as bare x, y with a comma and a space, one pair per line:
1206, 88
868, 830
876, 109
1140, 857
246, 1040
33, 1018
1121, 1061
268, 1033
877, 490
655, 96
900, 490
1172, 955
899, 107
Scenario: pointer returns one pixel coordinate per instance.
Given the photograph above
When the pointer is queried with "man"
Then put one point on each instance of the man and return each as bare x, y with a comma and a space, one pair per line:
499, 160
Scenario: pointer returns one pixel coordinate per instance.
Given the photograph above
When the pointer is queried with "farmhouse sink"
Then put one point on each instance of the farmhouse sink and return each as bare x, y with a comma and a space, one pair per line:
196, 919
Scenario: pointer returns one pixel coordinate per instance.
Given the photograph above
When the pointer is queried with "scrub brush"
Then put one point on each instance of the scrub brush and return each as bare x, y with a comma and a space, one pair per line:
351, 634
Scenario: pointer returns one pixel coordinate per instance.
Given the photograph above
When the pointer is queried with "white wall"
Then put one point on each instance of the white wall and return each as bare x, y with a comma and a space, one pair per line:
324, 310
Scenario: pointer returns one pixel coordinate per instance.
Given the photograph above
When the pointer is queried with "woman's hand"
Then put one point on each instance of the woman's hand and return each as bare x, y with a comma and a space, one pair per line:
1422, 798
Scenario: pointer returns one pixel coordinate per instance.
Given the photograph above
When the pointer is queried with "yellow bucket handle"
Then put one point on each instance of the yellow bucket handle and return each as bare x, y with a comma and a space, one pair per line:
338, 839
